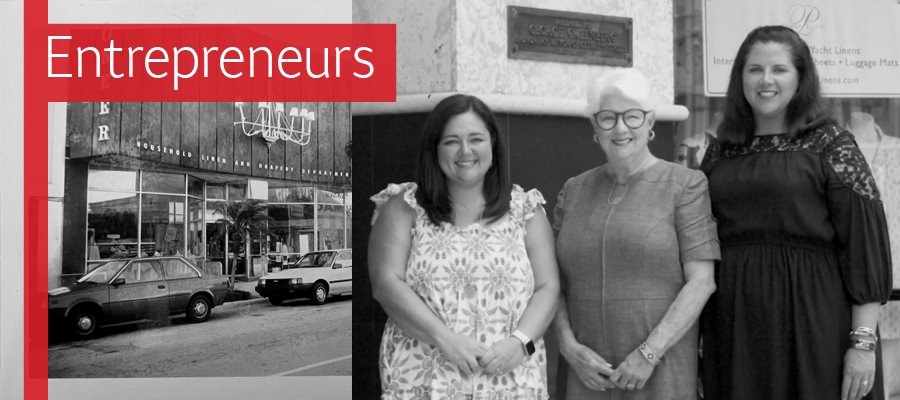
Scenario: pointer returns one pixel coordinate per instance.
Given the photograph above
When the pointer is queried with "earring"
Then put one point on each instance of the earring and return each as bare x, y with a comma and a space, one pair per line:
596, 140
652, 136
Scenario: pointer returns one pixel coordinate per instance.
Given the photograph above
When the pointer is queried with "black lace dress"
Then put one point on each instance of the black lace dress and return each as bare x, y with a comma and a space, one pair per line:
803, 238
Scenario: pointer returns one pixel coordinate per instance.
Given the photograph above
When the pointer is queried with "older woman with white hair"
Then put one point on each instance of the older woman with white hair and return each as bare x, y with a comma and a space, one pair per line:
636, 244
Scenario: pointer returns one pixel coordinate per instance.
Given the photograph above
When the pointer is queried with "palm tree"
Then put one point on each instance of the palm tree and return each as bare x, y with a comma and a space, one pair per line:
249, 219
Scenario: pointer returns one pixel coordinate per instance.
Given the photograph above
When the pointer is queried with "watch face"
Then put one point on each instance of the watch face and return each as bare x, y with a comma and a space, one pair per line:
530, 347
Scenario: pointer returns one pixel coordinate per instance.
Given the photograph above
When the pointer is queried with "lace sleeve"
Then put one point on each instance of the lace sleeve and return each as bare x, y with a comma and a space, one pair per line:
847, 161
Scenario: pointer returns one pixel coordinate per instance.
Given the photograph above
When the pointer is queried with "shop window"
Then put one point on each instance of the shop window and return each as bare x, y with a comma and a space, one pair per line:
195, 229
112, 226
237, 191
290, 195
110, 179
215, 191
331, 227
162, 225
195, 186
302, 228
161, 182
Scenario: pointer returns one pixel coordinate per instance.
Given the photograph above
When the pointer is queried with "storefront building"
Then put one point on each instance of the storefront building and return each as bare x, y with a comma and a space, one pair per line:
145, 179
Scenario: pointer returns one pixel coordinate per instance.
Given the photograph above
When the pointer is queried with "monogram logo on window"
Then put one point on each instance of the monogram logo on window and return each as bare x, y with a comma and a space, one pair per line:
803, 18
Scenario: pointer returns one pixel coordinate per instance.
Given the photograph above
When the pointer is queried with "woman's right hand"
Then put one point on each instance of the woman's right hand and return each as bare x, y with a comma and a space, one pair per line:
463, 351
592, 369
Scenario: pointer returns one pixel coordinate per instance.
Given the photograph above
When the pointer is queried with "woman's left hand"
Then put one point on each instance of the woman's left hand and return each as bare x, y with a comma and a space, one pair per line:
632, 373
503, 356
859, 374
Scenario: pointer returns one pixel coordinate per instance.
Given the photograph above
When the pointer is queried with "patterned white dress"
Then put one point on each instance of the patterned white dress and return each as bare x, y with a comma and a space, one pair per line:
478, 281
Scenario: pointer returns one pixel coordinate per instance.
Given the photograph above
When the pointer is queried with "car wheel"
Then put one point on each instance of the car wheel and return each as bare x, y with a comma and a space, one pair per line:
276, 301
83, 323
198, 309
320, 293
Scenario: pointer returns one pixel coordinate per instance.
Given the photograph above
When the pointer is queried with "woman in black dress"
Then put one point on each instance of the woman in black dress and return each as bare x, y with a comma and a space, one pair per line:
805, 255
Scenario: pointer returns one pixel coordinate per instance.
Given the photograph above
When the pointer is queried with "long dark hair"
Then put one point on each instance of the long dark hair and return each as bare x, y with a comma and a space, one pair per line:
806, 110
432, 194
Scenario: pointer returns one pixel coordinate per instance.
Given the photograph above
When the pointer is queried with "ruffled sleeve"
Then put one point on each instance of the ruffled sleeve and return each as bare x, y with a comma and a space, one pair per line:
409, 194
857, 215
697, 235
524, 202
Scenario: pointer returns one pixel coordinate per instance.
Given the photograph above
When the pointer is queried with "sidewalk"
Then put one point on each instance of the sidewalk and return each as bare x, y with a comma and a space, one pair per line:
247, 287
254, 299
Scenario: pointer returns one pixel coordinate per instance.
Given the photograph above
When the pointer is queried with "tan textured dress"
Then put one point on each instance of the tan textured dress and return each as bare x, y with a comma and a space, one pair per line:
620, 250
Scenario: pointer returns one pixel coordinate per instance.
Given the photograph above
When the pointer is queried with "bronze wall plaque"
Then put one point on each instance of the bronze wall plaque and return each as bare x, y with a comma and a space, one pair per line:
550, 35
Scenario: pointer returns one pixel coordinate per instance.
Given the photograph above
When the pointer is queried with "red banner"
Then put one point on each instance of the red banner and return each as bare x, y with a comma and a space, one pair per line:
339, 63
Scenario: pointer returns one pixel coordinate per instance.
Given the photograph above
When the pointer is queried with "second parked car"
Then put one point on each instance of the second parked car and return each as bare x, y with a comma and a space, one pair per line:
316, 276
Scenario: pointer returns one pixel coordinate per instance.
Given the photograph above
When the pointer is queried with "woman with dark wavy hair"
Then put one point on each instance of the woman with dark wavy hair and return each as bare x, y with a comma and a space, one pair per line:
805, 256
464, 264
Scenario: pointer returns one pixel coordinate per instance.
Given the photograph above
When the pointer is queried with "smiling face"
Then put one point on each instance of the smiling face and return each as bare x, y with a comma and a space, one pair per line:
464, 151
770, 82
622, 142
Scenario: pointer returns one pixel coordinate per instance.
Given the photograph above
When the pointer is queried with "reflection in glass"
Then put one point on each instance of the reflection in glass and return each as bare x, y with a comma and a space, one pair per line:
162, 225
112, 180
215, 191
331, 227
195, 186
162, 182
195, 229
302, 225
237, 191
112, 225
290, 194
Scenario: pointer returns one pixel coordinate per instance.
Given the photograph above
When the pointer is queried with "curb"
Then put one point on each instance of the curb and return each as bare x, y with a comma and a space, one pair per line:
241, 303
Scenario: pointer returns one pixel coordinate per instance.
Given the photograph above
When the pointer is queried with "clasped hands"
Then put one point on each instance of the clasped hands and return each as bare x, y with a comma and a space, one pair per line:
472, 356
597, 374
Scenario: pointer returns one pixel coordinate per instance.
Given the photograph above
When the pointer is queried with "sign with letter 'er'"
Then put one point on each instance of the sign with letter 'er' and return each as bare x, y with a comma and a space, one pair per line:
854, 44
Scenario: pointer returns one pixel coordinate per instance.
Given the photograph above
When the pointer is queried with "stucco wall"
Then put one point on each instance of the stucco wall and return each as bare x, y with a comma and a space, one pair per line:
425, 40
452, 45
483, 65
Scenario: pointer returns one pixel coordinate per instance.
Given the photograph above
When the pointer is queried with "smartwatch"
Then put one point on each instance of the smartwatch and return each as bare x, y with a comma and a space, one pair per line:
527, 344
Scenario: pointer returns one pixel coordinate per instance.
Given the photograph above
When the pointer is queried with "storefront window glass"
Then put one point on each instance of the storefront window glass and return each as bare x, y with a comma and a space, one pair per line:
302, 228
215, 191
112, 226
109, 179
331, 227
161, 182
237, 191
195, 229
195, 186
162, 225
290, 194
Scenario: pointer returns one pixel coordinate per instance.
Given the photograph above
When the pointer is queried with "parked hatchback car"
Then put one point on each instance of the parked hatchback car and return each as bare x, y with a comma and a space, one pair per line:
316, 276
135, 290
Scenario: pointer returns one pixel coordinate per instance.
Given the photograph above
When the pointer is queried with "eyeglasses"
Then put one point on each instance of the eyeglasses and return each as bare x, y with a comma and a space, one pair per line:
633, 118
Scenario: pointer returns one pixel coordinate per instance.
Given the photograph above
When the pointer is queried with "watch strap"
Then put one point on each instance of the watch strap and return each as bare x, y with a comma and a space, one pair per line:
527, 344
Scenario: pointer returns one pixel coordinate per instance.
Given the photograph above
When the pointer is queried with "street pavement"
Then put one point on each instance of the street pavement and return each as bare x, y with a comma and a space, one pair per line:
242, 338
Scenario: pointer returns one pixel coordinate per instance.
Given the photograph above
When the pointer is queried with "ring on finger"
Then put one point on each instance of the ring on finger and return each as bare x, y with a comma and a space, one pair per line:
630, 386
865, 382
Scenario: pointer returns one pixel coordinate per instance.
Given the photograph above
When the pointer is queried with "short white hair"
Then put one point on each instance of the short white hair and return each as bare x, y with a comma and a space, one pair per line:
627, 82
